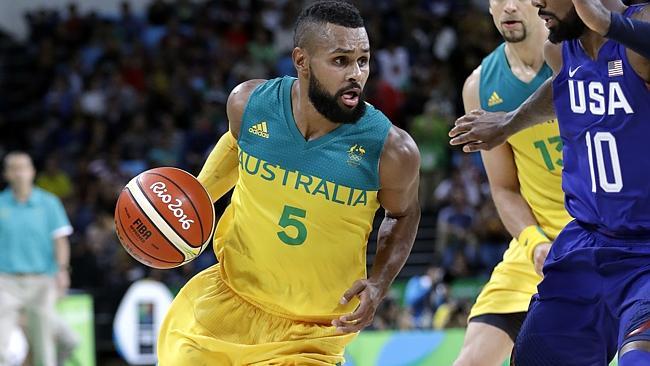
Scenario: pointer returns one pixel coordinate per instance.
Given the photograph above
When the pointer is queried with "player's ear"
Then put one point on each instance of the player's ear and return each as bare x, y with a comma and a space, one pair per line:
300, 60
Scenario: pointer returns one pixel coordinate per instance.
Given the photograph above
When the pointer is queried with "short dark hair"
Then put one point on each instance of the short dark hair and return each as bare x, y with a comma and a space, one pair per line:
321, 12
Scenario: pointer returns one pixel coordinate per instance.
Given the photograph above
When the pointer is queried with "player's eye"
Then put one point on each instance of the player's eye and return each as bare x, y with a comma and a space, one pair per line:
339, 61
363, 61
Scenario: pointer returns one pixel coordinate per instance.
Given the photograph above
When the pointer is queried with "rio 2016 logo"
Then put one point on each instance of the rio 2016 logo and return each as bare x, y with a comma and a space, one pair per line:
160, 189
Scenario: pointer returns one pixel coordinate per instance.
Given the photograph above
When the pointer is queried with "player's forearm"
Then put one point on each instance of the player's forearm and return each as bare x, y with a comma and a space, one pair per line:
513, 210
536, 109
394, 243
219, 173
632, 33
62, 248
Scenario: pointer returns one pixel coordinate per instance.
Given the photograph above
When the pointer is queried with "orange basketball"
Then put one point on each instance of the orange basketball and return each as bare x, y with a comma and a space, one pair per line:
164, 217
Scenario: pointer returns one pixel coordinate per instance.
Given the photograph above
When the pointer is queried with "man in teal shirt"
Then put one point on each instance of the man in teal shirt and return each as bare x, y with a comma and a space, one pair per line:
34, 259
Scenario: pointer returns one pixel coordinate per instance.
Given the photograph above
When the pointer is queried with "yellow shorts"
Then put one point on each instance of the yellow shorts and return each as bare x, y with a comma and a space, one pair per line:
209, 324
512, 284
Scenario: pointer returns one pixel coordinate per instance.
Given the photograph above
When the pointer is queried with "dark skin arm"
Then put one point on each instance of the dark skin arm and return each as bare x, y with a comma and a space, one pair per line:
598, 18
399, 176
481, 130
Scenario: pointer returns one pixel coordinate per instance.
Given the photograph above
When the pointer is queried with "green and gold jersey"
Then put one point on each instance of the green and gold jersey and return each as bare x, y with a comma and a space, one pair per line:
294, 238
537, 149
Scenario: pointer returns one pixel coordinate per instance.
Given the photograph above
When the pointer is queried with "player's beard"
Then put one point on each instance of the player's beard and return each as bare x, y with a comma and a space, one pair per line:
571, 27
328, 105
512, 37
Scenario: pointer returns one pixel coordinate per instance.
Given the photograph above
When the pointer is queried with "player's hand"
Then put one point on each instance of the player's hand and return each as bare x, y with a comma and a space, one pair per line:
539, 256
369, 296
63, 281
594, 14
479, 130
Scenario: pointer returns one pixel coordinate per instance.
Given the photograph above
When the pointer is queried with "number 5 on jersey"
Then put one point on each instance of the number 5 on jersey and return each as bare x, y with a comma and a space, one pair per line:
288, 219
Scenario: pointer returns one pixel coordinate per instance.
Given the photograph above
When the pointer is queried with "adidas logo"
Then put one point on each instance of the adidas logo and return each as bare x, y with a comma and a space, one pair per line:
260, 130
494, 99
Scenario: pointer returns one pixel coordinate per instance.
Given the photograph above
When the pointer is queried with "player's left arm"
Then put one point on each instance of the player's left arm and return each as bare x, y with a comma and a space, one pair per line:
219, 173
62, 251
629, 31
399, 177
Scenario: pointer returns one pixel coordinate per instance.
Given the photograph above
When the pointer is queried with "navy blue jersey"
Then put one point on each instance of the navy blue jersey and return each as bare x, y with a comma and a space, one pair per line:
603, 108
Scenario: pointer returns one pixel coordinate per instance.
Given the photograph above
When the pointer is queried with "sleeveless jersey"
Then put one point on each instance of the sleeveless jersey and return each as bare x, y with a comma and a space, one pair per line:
294, 238
604, 110
537, 150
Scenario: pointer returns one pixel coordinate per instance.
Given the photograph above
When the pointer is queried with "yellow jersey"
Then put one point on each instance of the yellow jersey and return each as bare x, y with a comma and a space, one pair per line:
537, 150
294, 237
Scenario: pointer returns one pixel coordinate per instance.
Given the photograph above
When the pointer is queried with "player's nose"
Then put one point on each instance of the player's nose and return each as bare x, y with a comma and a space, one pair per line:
510, 6
354, 73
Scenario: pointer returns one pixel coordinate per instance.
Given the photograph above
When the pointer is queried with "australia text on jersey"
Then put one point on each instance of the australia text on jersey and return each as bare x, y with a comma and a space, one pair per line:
296, 180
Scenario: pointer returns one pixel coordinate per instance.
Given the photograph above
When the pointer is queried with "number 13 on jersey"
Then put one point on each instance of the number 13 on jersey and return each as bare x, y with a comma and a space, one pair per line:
601, 138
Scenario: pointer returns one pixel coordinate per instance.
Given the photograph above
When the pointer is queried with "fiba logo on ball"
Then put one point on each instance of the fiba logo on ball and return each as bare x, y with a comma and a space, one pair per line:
141, 229
164, 217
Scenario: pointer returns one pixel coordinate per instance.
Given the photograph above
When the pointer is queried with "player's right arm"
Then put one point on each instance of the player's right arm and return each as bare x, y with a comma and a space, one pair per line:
480, 130
501, 170
219, 173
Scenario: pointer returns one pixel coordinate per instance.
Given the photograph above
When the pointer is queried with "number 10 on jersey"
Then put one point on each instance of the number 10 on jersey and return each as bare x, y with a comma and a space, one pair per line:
601, 138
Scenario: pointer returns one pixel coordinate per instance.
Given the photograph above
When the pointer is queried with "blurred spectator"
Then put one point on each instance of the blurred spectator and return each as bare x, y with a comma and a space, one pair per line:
93, 98
421, 296
384, 96
261, 48
54, 180
283, 34
492, 236
387, 316
429, 130
393, 62
455, 233
34, 269
467, 182
129, 25
159, 12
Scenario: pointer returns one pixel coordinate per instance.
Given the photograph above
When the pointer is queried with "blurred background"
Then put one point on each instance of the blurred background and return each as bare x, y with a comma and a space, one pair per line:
97, 91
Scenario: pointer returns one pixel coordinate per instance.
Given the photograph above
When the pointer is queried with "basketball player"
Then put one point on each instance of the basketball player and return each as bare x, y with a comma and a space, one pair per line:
311, 162
525, 180
595, 296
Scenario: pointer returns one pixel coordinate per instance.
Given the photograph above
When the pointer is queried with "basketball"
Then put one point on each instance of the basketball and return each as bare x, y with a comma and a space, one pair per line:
164, 217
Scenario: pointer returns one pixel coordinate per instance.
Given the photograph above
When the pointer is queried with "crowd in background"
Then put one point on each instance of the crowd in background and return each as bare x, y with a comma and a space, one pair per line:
95, 100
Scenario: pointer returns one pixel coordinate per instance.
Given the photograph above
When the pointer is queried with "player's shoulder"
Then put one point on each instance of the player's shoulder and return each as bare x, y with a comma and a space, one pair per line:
400, 151
237, 101
239, 95
473, 80
471, 90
